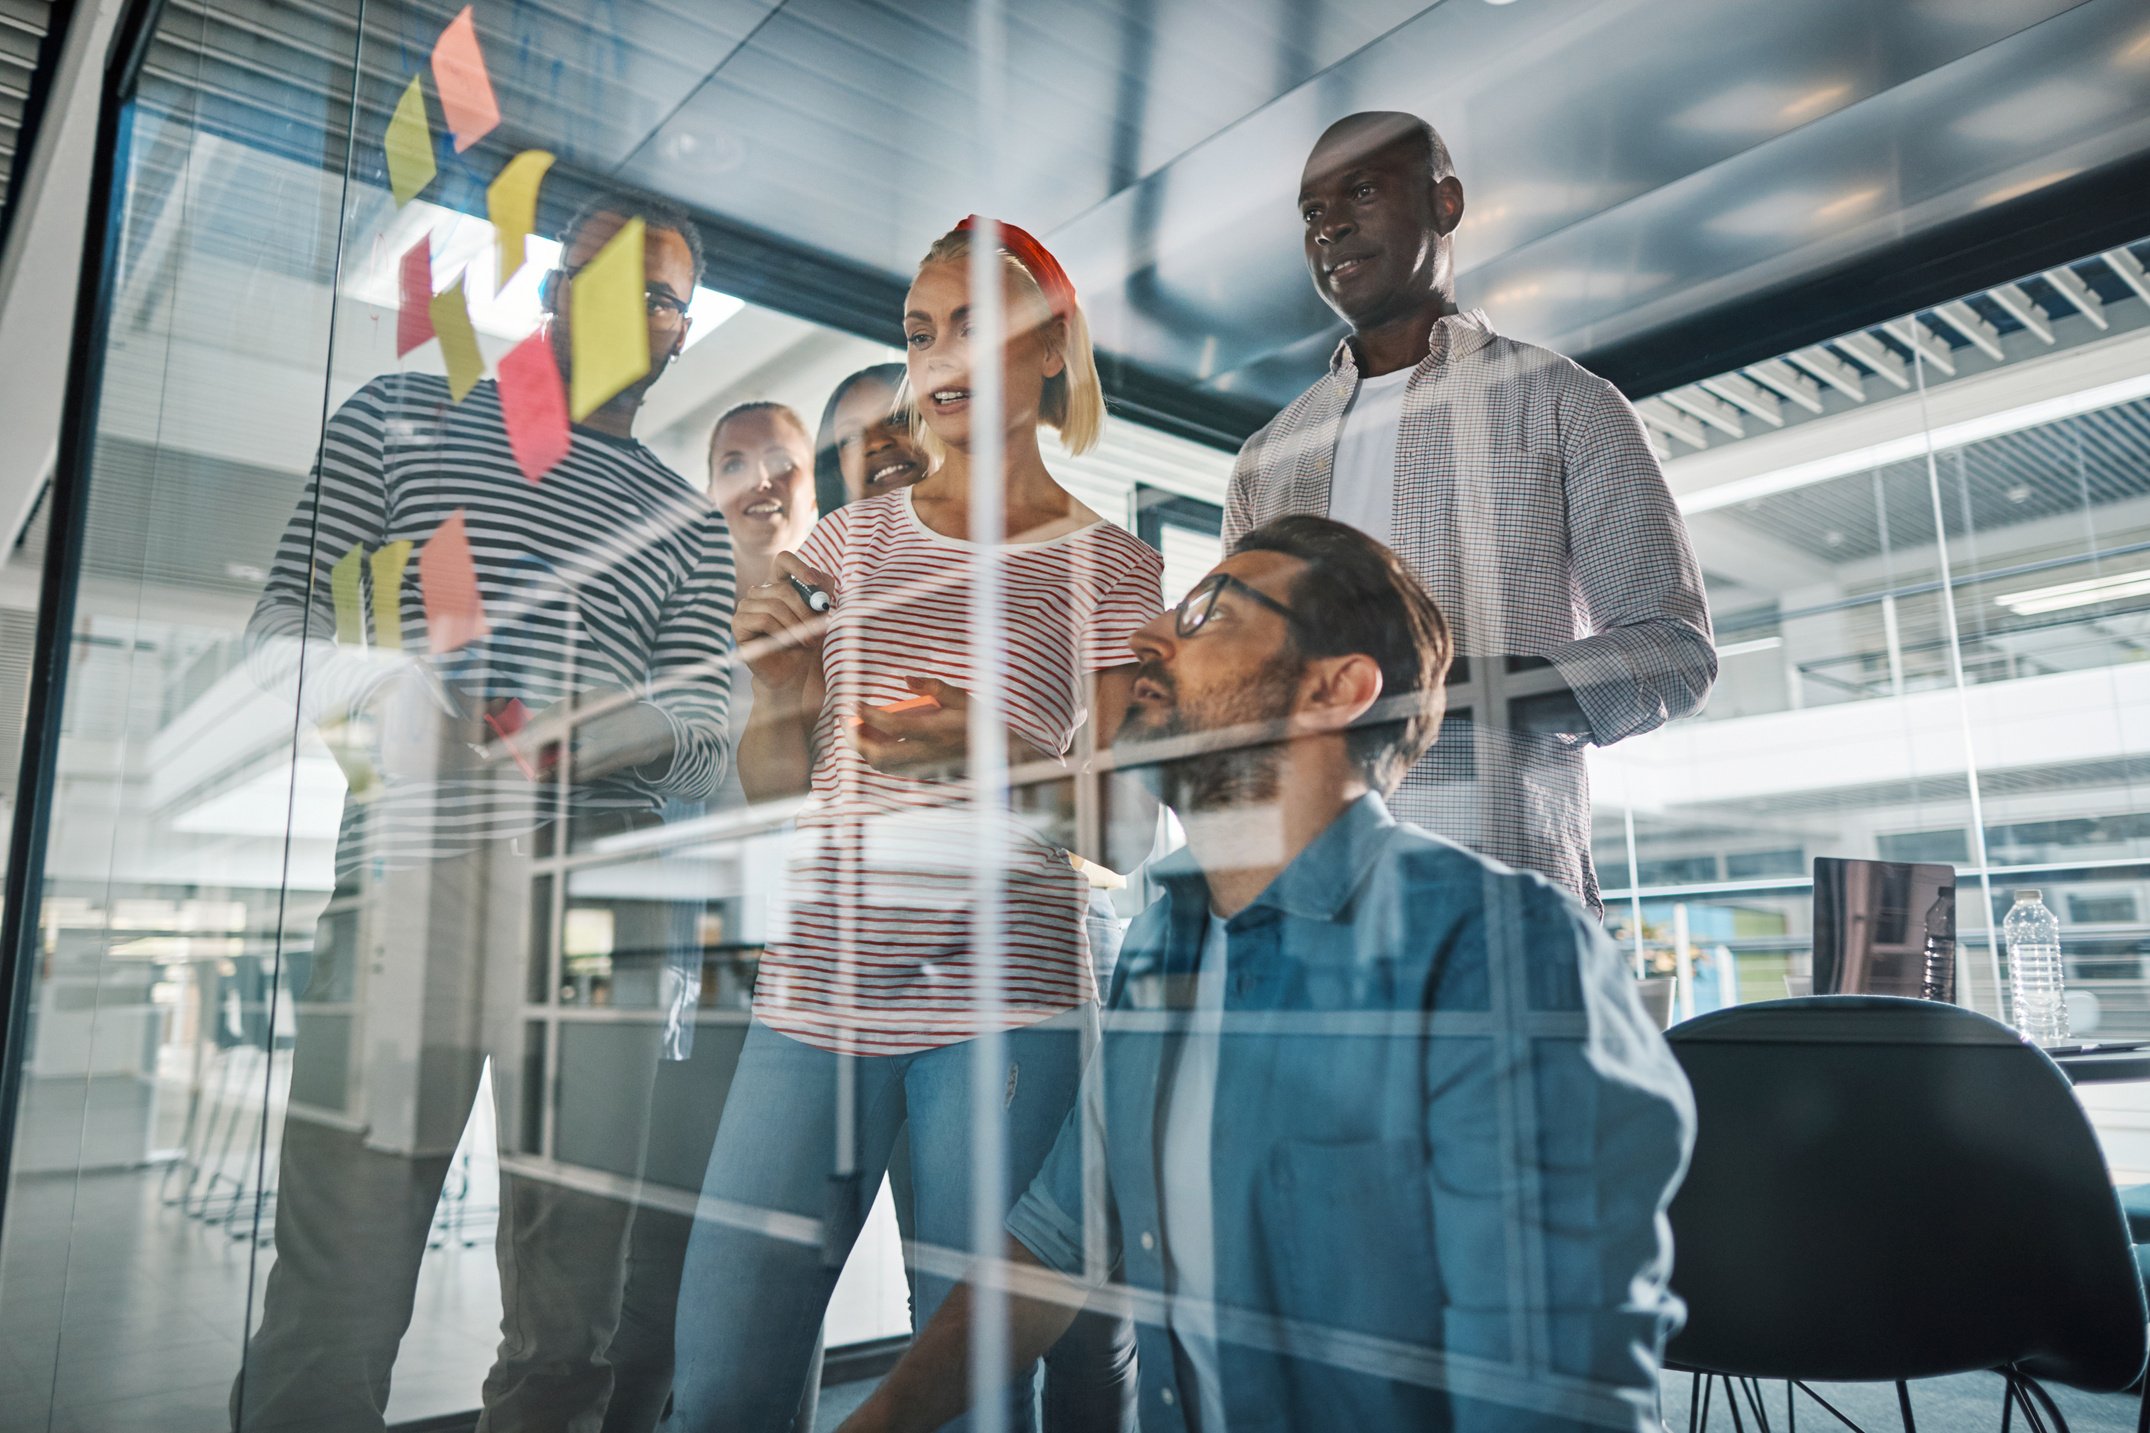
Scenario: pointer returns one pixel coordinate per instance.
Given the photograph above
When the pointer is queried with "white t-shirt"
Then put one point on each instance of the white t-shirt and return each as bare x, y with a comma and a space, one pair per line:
1190, 1232
1362, 484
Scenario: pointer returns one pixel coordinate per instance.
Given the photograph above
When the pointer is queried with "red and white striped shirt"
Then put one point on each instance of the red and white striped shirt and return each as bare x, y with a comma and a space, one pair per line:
872, 952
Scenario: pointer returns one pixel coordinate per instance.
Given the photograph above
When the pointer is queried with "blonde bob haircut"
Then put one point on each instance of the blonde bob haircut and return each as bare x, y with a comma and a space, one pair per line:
1073, 403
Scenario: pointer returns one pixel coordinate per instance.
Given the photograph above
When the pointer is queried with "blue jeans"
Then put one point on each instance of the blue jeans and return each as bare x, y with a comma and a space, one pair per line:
777, 1223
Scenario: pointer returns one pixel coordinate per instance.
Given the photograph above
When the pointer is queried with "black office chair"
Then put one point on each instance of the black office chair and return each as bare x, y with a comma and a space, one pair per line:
1887, 1189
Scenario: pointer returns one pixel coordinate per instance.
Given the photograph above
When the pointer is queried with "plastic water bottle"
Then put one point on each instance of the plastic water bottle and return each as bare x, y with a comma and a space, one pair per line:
2034, 973
1938, 980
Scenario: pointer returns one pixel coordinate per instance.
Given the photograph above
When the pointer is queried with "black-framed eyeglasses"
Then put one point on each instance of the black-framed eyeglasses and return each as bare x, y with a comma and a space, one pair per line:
656, 300
1200, 603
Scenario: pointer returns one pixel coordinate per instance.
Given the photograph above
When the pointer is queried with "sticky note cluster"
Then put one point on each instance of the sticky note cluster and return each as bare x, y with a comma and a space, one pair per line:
466, 101
606, 321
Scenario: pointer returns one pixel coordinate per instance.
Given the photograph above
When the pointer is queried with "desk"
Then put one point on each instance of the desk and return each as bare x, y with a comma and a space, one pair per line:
2095, 1067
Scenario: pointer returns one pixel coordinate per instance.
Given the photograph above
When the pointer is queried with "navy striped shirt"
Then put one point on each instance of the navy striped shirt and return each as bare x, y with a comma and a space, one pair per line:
612, 573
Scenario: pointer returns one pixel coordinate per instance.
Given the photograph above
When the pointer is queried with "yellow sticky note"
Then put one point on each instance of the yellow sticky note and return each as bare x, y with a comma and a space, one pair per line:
511, 203
458, 340
343, 587
409, 143
608, 323
388, 565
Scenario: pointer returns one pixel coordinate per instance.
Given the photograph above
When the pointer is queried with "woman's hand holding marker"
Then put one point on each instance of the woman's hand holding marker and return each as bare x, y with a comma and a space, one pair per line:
779, 624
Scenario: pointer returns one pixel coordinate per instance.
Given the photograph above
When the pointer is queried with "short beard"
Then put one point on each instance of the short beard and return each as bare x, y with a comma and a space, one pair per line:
1238, 775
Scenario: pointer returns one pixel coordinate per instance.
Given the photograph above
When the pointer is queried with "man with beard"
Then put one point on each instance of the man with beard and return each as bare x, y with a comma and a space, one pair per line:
1377, 1136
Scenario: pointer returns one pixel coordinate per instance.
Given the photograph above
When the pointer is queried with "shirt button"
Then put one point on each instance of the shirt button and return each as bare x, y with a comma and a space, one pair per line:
1149, 1241
1168, 1396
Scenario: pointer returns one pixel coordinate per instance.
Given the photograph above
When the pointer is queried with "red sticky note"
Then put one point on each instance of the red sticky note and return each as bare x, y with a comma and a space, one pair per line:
511, 718
466, 91
448, 580
414, 316
534, 406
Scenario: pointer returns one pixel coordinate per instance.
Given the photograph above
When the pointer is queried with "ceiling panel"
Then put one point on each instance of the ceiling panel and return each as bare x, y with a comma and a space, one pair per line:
1630, 164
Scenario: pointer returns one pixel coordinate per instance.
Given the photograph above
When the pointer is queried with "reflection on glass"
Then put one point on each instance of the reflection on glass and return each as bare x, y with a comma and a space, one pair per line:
505, 948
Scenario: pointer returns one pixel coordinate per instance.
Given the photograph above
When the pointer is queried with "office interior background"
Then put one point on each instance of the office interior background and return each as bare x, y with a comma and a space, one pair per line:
1874, 275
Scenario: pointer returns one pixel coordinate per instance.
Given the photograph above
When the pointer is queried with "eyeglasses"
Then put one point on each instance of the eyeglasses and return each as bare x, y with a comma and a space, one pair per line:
1200, 603
657, 302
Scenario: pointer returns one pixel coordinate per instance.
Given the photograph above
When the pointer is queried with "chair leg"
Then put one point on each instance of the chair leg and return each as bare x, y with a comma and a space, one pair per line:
2008, 1401
2142, 1419
1903, 1401
1830, 1408
2019, 1388
1731, 1403
1753, 1389
2052, 1413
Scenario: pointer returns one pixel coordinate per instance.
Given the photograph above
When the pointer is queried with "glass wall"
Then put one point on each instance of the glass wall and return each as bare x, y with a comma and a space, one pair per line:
621, 832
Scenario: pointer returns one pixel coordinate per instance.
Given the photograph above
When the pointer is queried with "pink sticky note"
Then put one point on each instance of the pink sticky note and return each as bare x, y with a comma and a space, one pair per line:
414, 316
448, 580
534, 406
466, 91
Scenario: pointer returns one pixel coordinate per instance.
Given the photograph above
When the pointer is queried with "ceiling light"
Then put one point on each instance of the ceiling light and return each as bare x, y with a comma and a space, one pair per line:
1915, 445
2062, 596
1757, 644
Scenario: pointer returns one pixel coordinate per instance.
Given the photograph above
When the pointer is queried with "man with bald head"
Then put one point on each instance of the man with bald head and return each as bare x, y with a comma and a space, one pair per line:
1519, 487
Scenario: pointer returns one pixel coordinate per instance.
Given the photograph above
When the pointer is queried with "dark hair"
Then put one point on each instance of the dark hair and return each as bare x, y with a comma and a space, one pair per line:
1356, 596
829, 491
654, 213
756, 405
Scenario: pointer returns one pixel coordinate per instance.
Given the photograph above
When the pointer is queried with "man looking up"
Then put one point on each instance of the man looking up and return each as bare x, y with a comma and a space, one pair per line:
1518, 487
426, 598
1378, 1136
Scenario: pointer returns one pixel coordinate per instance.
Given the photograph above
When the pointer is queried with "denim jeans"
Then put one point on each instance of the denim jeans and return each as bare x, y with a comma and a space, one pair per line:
777, 1220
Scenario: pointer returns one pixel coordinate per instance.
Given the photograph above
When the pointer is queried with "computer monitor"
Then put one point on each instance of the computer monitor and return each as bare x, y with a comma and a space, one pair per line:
1870, 926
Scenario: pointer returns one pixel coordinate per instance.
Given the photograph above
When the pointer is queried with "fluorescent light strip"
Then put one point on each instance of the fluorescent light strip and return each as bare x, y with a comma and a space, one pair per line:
2061, 596
1757, 644
1914, 445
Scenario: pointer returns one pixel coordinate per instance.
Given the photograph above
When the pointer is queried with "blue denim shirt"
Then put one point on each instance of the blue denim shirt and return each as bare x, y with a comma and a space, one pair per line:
1444, 1139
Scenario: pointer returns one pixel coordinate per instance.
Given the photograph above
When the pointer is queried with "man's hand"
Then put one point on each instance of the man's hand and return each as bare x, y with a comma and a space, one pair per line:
930, 1384
779, 636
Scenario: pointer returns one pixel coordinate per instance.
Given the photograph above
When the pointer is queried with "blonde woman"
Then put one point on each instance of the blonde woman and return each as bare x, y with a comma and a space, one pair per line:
866, 1007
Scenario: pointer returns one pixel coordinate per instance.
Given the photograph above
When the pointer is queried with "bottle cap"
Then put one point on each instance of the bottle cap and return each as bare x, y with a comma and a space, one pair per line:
2030, 894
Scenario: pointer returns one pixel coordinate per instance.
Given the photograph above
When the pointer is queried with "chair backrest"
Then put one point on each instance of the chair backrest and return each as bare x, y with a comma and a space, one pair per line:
1886, 1188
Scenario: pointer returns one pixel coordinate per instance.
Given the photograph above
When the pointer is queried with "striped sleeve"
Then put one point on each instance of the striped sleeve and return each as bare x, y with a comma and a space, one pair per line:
823, 549
291, 645
1130, 600
691, 668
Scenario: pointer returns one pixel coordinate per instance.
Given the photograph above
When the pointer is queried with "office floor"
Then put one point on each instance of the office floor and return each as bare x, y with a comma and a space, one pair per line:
146, 1322
140, 1326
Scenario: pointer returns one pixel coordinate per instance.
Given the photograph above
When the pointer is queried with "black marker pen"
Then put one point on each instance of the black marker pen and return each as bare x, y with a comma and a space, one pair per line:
811, 595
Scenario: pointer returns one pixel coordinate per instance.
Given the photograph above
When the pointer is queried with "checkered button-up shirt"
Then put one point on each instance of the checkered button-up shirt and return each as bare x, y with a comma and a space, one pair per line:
1529, 502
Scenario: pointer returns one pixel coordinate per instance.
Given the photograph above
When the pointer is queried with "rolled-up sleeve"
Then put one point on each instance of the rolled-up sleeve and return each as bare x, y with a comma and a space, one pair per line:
1556, 1142
1066, 1217
1649, 657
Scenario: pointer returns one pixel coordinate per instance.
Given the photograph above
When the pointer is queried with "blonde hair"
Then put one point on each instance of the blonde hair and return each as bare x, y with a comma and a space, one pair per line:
1073, 403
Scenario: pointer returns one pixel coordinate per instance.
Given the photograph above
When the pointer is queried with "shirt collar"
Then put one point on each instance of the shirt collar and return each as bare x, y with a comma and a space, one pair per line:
1316, 883
1454, 335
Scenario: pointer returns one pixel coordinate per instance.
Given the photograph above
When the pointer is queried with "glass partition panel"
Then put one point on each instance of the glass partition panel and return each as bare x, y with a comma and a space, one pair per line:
688, 775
